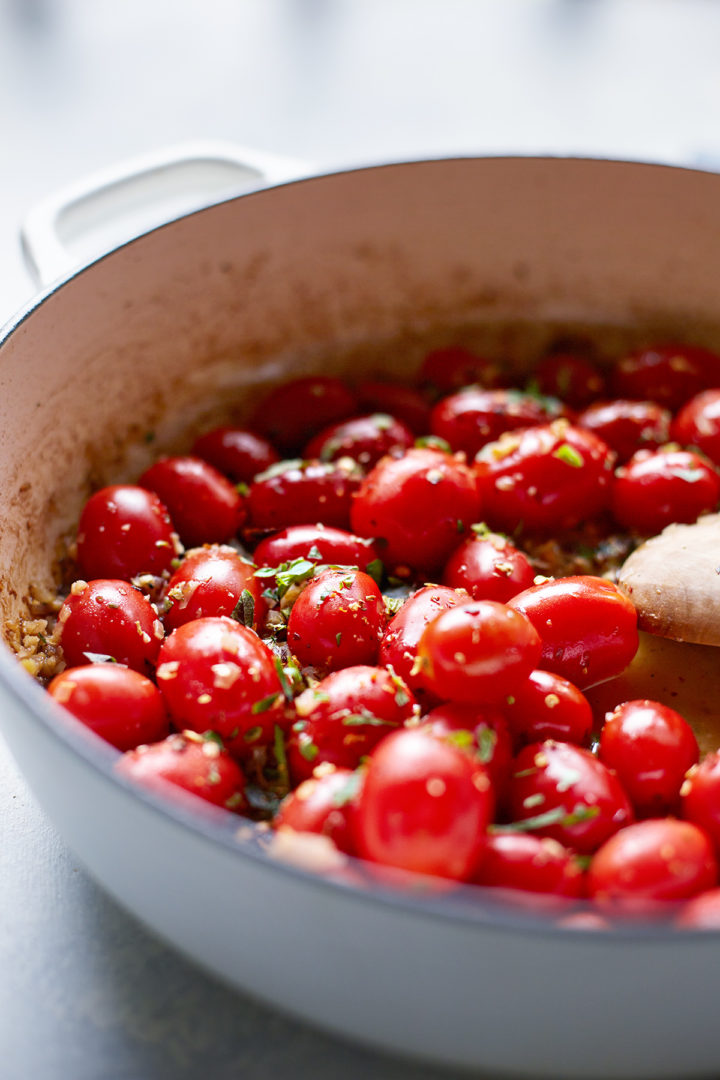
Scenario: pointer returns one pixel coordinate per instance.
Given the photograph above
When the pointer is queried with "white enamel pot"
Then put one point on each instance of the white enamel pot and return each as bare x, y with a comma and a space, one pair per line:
346, 272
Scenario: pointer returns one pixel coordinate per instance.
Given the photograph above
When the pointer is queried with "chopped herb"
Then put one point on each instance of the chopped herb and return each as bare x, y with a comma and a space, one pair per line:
433, 442
486, 740
99, 658
393, 604
285, 682
281, 757
244, 610
355, 720
308, 750
242, 489
265, 703
557, 816
348, 791
567, 453
338, 637
375, 570
253, 734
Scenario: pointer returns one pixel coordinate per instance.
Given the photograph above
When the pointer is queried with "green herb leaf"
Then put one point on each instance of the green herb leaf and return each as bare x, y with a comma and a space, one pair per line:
244, 610
264, 704
567, 453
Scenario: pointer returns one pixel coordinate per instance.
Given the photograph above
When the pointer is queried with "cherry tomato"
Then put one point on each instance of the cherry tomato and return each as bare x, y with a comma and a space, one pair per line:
452, 367
567, 794
118, 704
532, 864
296, 492
643, 866
547, 706
399, 645
702, 912
125, 531
627, 426
477, 652
472, 417
587, 626
650, 747
698, 424
700, 796
214, 580
404, 402
488, 567
418, 506
365, 439
571, 377
342, 718
337, 620
189, 761
318, 543
236, 453
109, 620
668, 374
481, 729
425, 806
296, 409
657, 488
546, 477
322, 805
203, 504
216, 675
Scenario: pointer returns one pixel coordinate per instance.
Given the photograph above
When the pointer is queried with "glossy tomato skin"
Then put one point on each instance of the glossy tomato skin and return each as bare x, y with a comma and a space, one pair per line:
399, 645
342, 718
627, 426
211, 581
477, 652
405, 402
295, 492
120, 705
204, 506
533, 865
570, 376
650, 747
318, 543
698, 424
483, 730
424, 807
337, 620
322, 805
451, 367
296, 409
702, 912
700, 796
365, 439
669, 374
644, 866
236, 453
585, 798
216, 675
472, 417
109, 618
587, 626
188, 761
549, 477
418, 507
547, 706
657, 488
488, 567
125, 531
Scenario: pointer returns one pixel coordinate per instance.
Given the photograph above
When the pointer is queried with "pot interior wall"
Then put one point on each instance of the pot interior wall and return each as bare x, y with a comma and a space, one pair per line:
355, 273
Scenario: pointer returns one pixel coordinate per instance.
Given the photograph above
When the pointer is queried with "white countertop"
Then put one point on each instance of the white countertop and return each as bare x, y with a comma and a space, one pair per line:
85, 993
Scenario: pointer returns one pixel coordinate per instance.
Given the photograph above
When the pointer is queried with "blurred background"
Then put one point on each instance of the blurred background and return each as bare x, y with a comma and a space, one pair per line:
85, 994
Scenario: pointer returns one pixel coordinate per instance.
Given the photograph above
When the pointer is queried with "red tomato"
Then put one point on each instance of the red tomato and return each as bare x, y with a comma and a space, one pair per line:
214, 580
473, 417
571, 377
650, 747
236, 453
365, 439
477, 652
109, 620
418, 506
322, 805
342, 718
488, 567
118, 704
481, 729
702, 912
587, 626
296, 492
425, 806
645, 865
532, 864
398, 648
452, 367
404, 402
547, 477
216, 675
700, 796
657, 488
567, 794
337, 620
125, 531
698, 424
627, 426
191, 762
318, 543
293, 411
547, 706
203, 504
668, 374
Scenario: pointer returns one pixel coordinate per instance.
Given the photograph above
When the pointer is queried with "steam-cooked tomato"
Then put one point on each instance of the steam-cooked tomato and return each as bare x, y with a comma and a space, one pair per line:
322, 805
532, 864
337, 620
547, 706
214, 580
237, 453
627, 426
295, 492
365, 439
204, 506
656, 488
318, 543
698, 424
668, 374
453, 366
473, 417
489, 567
125, 531
109, 620
479, 728
399, 645
195, 763
120, 705
571, 377
296, 409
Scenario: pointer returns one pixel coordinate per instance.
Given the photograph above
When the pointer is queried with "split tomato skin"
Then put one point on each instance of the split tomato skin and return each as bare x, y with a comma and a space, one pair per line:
488, 567
399, 645
211, 581
188, 761
547, 706
109, 619
424, 807
588, 627
477, 652
337, 620
124, 531
119, 704
203, 505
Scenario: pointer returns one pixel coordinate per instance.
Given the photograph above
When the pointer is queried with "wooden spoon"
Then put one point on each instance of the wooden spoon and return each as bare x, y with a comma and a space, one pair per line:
674, 582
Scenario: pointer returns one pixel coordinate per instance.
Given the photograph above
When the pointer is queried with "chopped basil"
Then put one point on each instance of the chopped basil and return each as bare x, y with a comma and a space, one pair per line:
244, 610
567, 453
265, 703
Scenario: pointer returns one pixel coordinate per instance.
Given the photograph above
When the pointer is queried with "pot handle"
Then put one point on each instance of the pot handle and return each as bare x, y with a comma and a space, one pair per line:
92, 217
